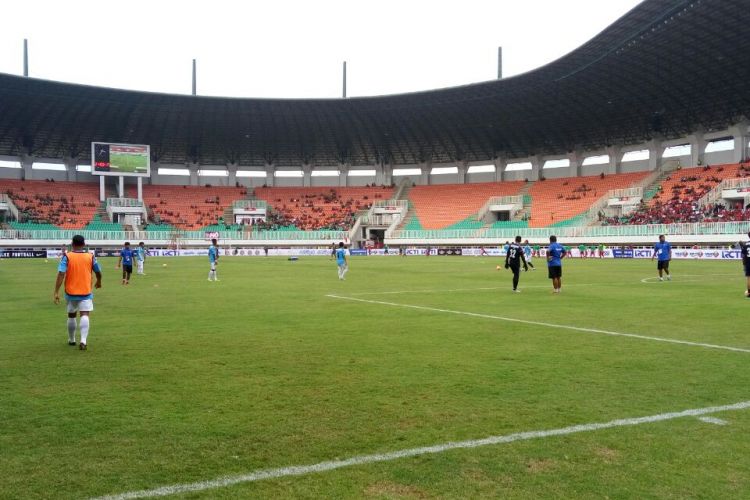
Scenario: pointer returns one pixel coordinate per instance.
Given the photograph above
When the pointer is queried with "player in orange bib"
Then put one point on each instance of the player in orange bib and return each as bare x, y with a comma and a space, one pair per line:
75, 270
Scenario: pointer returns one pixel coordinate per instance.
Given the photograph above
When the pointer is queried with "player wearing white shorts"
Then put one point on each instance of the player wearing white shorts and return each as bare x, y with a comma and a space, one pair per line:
75, 270
341, 261
140, 257
213, 259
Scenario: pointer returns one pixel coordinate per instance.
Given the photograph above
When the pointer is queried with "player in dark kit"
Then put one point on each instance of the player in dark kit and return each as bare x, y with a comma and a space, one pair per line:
745, 252
513, 258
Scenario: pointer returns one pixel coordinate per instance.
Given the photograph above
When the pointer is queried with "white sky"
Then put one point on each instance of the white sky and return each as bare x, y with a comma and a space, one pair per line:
293, 48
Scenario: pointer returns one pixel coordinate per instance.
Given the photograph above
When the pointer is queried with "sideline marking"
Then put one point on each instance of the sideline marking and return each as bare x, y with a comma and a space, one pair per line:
541, 323
300, 470
655, 279
713, 420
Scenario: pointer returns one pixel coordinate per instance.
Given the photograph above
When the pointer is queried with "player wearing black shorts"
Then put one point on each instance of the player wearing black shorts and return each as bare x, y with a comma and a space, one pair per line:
745, 252
513, 259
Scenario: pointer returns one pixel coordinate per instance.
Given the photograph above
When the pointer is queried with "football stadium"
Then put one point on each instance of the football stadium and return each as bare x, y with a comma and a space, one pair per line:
541, 292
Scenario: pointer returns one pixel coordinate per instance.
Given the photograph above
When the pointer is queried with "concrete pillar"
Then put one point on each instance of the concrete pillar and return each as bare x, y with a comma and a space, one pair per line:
306, 175
615, 159
270, 169
500, 164
655, 152
102, 190
424, 178
388, 174
232, 170
26, 163
121, 186
537, 162
193, 168
740, 134
344, 175
71, 174
462, 168
140, 188
576, 163
697, 148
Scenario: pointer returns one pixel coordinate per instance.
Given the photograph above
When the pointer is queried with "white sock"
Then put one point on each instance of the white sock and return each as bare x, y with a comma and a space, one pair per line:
216, 276
71, 329
210, 273
346, 269
84, 324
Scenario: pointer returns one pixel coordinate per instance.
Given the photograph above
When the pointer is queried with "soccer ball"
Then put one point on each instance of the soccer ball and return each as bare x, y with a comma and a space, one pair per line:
497, 267
164, 265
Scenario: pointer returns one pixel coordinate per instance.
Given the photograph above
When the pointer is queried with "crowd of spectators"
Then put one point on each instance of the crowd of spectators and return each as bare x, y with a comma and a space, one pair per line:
680, 202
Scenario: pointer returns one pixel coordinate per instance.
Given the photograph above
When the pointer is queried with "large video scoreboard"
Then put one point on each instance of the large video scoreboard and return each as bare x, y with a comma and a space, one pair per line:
120, 159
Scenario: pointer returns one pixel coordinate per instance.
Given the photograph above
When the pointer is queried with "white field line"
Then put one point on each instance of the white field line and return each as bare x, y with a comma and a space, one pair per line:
713, 420
651, 279
541, 323
299, 470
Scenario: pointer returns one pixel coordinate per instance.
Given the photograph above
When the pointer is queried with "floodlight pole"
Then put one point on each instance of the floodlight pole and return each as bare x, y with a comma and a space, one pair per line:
25, 57
344, 89
499, 63
195, 89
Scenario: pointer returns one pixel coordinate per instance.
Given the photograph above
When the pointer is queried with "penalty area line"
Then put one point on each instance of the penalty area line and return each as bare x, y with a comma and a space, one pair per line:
542, 323
301, 470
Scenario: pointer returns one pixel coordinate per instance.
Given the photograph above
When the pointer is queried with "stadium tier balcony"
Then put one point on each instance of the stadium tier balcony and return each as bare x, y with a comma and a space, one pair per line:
318, 208
64, 205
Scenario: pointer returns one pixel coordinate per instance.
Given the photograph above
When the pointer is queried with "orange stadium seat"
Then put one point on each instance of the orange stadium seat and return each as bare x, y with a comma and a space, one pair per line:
311, 208
555, 200
189, 207
443, 205
68, 205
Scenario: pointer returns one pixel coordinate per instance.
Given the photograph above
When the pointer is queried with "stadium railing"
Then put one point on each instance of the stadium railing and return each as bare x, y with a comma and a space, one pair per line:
124, 202
120, 236
245, 204
717, 228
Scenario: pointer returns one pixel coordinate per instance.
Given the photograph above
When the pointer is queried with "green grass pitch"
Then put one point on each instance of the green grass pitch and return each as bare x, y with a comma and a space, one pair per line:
128, 162
188, 381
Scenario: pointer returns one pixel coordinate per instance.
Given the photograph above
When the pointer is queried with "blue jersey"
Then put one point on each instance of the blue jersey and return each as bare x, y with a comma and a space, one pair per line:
556, 251
140, 254
662, 251
527, 250
127, 256
63, 268
341, 256
213, 254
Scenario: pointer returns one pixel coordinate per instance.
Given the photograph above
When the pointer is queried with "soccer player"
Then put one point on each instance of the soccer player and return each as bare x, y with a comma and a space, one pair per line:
662, 250
582, 251
140, 257
341, 261
126, 260
513, 259
528, 253
333, 251
745, 252
213, 259
555, 254
75, 270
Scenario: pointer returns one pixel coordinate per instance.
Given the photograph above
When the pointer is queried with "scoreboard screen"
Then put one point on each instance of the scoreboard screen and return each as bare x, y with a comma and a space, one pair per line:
120, 159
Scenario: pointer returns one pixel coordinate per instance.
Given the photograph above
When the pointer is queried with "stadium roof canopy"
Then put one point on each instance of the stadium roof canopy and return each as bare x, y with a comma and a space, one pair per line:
665, 69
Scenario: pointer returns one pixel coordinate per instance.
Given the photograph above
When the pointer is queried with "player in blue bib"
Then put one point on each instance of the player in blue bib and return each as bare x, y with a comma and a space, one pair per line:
555, 254
341, 261
126, 260
213, 259
663, 254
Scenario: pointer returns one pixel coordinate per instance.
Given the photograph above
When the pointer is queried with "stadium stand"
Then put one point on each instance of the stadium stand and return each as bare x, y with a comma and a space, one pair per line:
188, 207
66, 205
555, 201
676, 198
314, 208
455, 206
